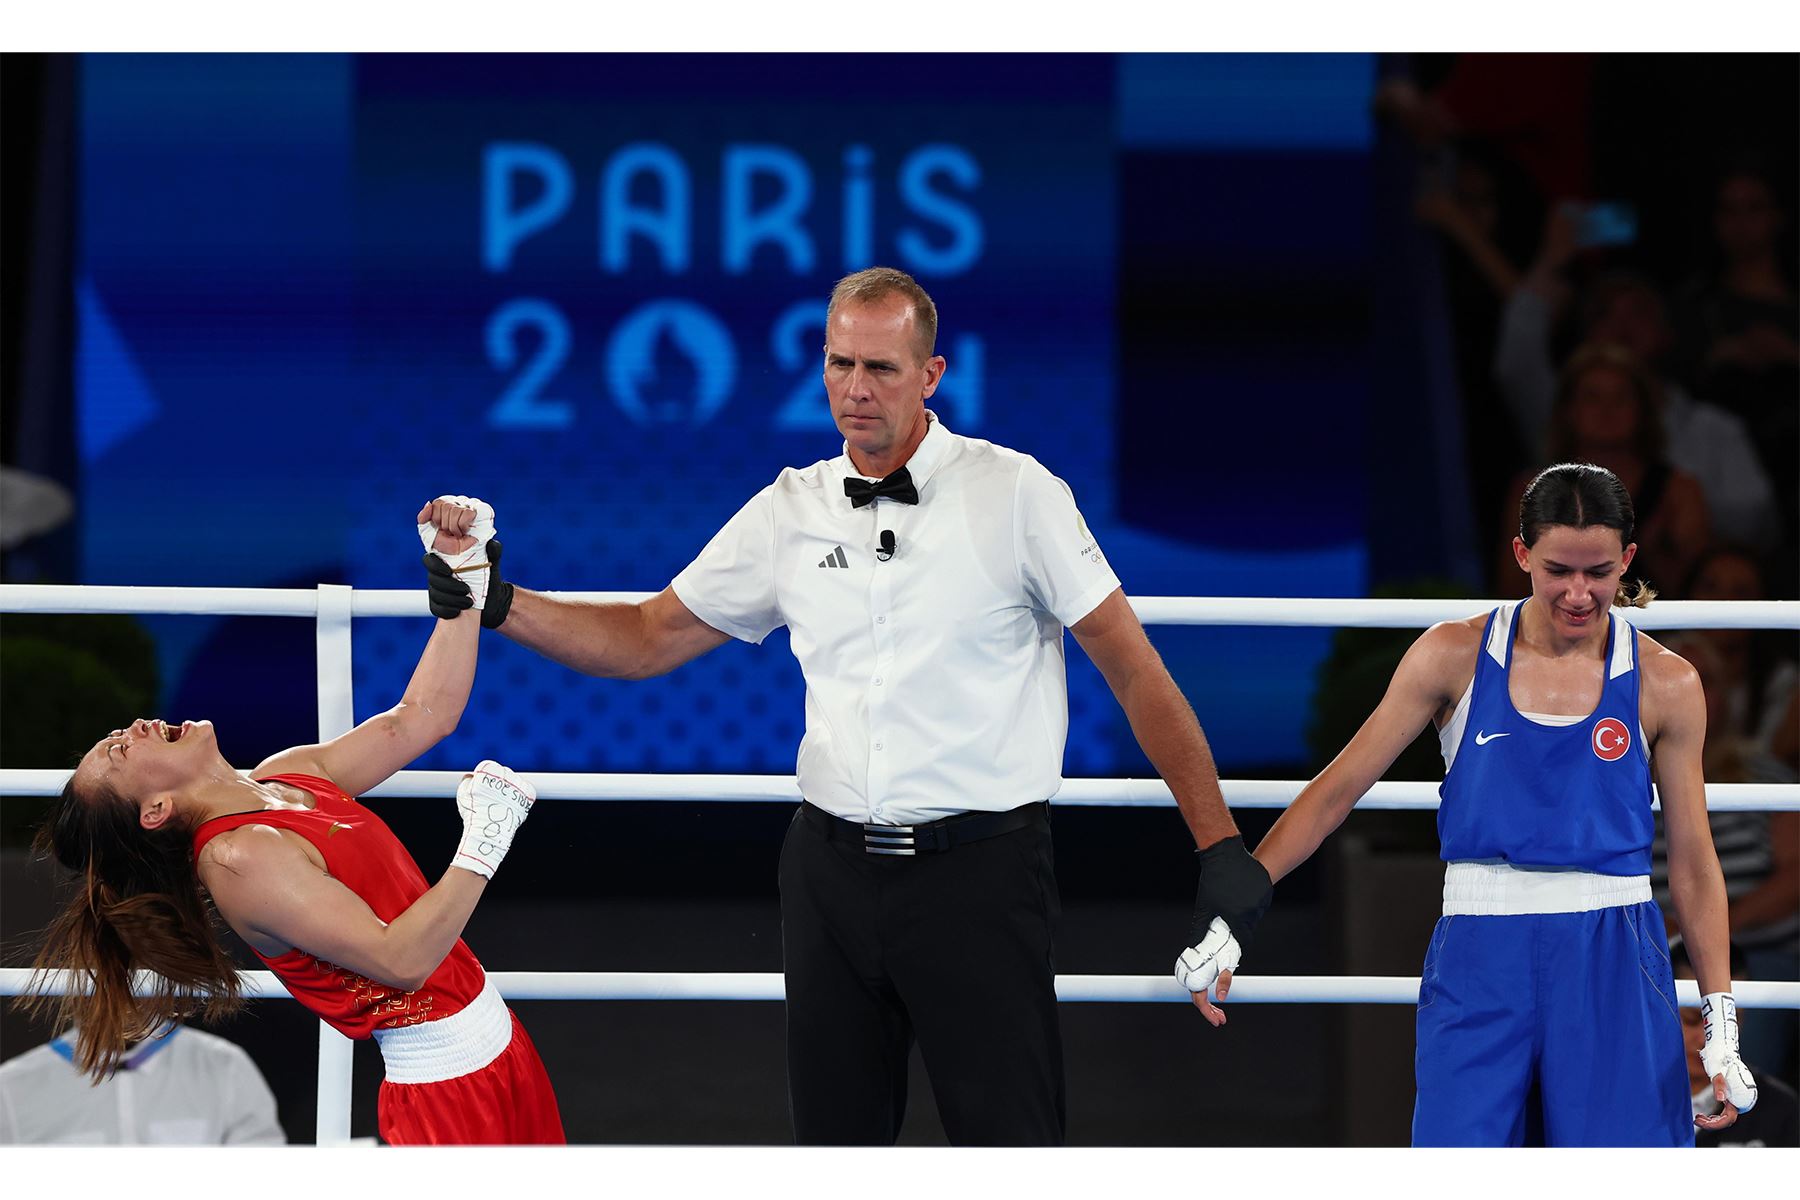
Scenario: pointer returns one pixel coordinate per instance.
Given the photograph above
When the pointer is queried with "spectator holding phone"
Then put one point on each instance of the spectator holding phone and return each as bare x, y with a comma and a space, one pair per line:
1626, 309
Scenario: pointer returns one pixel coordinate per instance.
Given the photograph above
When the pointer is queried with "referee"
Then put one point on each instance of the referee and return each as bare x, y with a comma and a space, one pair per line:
926, 579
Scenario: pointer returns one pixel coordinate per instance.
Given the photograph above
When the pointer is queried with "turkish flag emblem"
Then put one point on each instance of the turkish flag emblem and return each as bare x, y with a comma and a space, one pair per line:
1611, 739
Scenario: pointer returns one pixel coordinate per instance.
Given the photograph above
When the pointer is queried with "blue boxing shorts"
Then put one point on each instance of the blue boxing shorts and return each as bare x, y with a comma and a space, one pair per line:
1577, 1007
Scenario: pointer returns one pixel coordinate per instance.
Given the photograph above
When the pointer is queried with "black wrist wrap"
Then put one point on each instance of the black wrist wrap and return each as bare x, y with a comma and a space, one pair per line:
448, 596
1233, 885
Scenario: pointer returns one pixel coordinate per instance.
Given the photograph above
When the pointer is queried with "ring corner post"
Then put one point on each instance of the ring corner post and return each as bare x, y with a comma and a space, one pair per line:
335, 1061
337, 714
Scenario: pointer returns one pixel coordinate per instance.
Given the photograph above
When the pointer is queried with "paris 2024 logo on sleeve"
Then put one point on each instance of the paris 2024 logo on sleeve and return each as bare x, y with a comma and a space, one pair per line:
1611, 739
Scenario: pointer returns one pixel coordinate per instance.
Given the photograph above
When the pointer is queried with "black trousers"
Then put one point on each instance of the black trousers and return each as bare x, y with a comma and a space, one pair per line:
952, 948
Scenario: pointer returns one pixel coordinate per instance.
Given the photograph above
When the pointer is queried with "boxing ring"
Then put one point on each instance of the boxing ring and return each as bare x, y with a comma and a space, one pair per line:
333, 607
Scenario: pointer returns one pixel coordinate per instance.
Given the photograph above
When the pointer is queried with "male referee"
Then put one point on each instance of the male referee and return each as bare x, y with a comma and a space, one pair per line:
926, 579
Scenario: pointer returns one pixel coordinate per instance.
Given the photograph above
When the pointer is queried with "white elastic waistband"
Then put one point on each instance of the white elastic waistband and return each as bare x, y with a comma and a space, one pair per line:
457, 1045
1478, 889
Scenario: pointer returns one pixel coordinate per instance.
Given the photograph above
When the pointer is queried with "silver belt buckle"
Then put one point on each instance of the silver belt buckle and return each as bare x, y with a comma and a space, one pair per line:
888, 839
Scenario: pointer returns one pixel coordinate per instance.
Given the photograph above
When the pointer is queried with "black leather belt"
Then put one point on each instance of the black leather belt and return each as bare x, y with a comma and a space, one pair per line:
934, 837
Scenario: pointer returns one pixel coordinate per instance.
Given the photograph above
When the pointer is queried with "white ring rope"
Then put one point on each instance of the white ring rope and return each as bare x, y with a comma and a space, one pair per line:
333, 606
1071, 989
782, 789
1152, 610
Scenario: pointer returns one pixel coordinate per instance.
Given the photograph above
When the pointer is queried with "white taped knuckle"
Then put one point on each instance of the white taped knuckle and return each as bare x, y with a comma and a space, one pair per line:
1230, 955
1740, 1086
506, 776
1198, 967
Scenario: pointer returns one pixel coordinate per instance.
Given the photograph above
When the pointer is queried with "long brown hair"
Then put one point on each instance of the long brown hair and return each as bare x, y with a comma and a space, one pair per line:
137, 906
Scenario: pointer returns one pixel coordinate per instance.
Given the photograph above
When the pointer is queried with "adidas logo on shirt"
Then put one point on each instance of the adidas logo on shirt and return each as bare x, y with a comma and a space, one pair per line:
835, 559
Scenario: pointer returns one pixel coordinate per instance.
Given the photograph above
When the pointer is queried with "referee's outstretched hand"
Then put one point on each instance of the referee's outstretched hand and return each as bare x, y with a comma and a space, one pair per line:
1234, 893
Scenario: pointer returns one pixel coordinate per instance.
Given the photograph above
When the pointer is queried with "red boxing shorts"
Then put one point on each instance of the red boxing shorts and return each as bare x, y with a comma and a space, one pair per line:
432, 1097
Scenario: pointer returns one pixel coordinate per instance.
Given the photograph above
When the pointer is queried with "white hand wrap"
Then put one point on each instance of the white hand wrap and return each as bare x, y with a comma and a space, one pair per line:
471, 565
1199, 967
494, 803
1720, 1053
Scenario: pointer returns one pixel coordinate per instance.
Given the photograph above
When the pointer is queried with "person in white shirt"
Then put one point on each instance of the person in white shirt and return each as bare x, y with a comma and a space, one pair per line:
1627, 310
183, 1087
926, 580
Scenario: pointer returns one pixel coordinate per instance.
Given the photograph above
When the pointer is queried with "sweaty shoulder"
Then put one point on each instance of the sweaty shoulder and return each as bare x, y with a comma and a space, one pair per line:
248, 849
1443, 658
1668, 678
1458, 639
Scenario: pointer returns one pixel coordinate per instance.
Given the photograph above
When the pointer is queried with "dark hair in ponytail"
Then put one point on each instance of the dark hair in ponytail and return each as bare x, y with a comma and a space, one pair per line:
1581, 495
138, 906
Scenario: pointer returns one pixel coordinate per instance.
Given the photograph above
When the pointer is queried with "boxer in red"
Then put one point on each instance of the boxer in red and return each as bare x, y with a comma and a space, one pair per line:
161, 828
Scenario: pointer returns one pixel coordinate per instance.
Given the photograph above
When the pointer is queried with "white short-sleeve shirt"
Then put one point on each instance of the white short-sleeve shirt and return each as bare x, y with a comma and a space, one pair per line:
935, 680
187, 1087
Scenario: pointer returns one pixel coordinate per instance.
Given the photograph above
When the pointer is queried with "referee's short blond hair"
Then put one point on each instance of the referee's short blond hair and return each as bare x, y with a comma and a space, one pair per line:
878, 283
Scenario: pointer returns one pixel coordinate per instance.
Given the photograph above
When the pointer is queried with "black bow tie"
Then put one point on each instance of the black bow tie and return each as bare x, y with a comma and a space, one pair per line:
898, 486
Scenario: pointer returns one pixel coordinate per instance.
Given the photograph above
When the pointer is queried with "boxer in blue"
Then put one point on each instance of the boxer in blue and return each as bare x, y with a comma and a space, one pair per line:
1549, 965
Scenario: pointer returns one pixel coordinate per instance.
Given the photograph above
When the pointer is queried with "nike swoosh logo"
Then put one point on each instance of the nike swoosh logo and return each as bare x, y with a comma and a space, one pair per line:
335, 826
1482, 739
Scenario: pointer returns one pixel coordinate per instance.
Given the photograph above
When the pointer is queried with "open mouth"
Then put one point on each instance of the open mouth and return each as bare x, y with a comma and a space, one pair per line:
171, 733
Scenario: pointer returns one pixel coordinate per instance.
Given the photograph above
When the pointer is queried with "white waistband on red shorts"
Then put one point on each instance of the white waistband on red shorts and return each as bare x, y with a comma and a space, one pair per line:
457, 1045
1494, 889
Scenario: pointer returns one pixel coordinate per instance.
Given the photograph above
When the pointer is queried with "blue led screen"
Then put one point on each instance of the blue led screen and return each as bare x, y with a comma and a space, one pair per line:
318, 290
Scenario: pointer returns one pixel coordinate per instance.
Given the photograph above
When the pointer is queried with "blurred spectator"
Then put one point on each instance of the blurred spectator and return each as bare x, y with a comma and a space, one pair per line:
1759, 852
1753, 709
1533, 107
30, 505
1739, 327
1775, 1121
1757, 673
1784, 740
1487, 216
182, 1087
1626, 309
1467, 211
1606, 412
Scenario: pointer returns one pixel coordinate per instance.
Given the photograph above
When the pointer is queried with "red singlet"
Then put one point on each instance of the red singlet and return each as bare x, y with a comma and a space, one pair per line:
505, 1099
